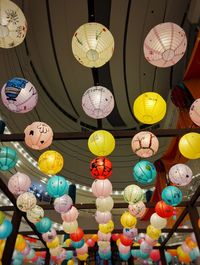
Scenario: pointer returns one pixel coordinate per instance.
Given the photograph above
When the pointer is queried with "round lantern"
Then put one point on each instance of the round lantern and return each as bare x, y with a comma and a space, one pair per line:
126, 241
92, 44
127, 220
137, 209
35, 214
54, 243
155, 255
78, 244
164, 210
191, 244
20, 243
2, 217
77, 235
5, 229
31, 254
180, 175
50, 162
26, 201
145, 144
189, 145
26, 251
101, 188
106, 228
157, 221
150, 241
124, 256
71, 215
149, 108
124, 249
97, 102
83, 250
19, 183
38, 135
195, 112
101, 143
165, 44
57, 186
70, 227
104, 204
153, 232
130, 232
145, 247
103, 236
144, 172
101, 168
172, 195
8, 158
82, 257
63, 204
70, 262
50, 235
103, 217
90, 242
44, 225
133, 194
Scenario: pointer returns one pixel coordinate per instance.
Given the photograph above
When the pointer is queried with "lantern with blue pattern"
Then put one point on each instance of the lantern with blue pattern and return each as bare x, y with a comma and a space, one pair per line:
144, 172
57, 186
8, 158
44, 225
172, 195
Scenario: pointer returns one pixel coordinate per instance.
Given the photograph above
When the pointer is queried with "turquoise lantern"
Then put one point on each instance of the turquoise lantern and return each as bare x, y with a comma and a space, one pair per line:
8, 158
105, 256
5, 229
69, 254
125, 256
78, 244
44, 225
57, 186
168, 257
172, 195
144, 172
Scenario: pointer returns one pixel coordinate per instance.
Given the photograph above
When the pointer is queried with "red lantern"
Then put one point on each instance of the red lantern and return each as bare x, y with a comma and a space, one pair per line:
77, 235
90, 242
164, 210
115, 237
125, 240
155, 255
101, 168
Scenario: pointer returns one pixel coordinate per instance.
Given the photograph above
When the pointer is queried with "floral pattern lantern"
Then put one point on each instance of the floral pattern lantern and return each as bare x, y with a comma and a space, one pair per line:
35, 214
8, 158
26, 201
144, 172
50, 162
180, 175
19, 183
92, 44
101, 168
189, 145
165, 44
195, 112
137, 209
101, 188
133, 194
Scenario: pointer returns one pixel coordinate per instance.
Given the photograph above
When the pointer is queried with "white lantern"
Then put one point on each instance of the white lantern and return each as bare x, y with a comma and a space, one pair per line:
71, 227
133, 194
35, 214
92, 44
98, 102
104, 204
26, 201
157, 221
180, 175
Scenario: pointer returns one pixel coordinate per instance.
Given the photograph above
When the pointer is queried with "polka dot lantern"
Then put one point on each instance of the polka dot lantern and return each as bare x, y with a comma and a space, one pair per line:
144, 172
180, 175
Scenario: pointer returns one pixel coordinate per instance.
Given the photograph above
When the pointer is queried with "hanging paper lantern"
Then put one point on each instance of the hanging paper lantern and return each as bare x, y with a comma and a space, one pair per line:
137, 209
50, 235
164, 210
78, 244
190, 243
101, 188
189, 145
106, 228
103, 244
2, 217
133, 194
70, 215
149, 108
26, 201
144, 172
130, 232
54, 243
98, 102
19, 183
38, 135
35, 214
44, 225
103, 217
195, 112
55, 251
101, 143
83, 250
8, 158
126, 241
26, 251
5, 229
50, 162
155, 255
145, 247
150, 241
153, 232
31, 254
92, 44
115, 237
70, 262
124, 249
82, 257
101, 168
165, 44
103, 236
145, 144
185, 247
127, 220
105, 256
157, 221
77, 235
104, 204
70, 227
20, 243
125, 256
172, 195
63, 204
90, 242
57, 186
180, 175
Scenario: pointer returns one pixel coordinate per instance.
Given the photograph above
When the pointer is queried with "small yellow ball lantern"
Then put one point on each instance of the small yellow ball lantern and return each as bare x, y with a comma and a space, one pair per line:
128, 220
106, 228
54, 243
82, 257
20, 243
153, 232
189, 145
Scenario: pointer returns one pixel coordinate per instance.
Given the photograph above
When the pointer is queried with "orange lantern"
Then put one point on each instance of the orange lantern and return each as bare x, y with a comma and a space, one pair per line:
20, 243
191, 244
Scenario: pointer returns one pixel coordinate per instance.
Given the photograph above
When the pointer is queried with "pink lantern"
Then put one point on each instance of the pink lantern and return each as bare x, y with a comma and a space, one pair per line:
103, 217
105, 250
103, 244
193, 237
38, 135
130, 232
195, 112
165, 45
137, 209
19, 183
150, 241
145, 144
104, 237
124, 249
90, 242
71, 215
155, 255
145, 247
180, 175
50, 235
101, 188
82, 250
63, 204
26, 251
185, 247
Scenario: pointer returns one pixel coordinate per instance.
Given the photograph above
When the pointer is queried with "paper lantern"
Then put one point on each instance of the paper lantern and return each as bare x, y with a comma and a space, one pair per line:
137, 209
164, 210
125, 256
150, 241
130, 232
193, 237
35, 214
70, 262
78, 244
98, 102
149, 108
57, 186
92, 44
144, 172
5, 229
106, 228
8, 158
189, 145
26, 251
50, 235
123, 249
70, 227
83, 250
103, 244
101, 168
50, 162
2, 217
104, 204
172, 195
105, 256
145, 144
126, 241
190, 243
115, 236
153, 232
180, 175
133, 194
103, 236
26, 201
31, 254
155, 255
127, 220
44, 225
63, 204
165, 45
101, 188
20, 243
70, 215
54, 243
82, 257
185, 247
55, 251
77, 235
19, 183
145, 247
101, 143
103, 217
38, 135
195, 112
90, 242
157, 221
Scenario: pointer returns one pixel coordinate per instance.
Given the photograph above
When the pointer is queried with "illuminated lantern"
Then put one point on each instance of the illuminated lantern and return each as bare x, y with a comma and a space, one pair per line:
35, 214
98, 102
63, 204
189, 145
124, 249
104, 204
106, 228
125, 256
101, 188
150, 241
101, 143
70, 227
54, 243
180, 175
105, 256
82, 257
165, 44
193, 238
145, 144
153, 232
95, 237
55, 251
172, 195
103, 236
190, 243
92, 44
145, 247
149, 108
144, 172
195, 112
70, 215
57, 186
137, 209
127, 220
26, 201
155, 255
105, 250
83, 250
70, 262
38, 135
50, 162
26, 251
50, 235
19, 183
130, 232
164, 210
5, 229
125, 240
185, 247
103, 244
44, 225
90, 242
2, 217
77, 235
8, 158
101, 168
103, 217
20, 243
133, 194
157, 221
78, 244
115, 237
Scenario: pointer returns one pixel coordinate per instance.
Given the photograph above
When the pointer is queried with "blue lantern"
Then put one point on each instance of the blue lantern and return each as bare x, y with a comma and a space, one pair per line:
194, 253
168, 257
78, 244
105, 256
57, 186
172, 195
44, 225
17, 255
17, 262
135, 253
125, 256
8, 158
69, 254
144, 255
144, 172
5, 229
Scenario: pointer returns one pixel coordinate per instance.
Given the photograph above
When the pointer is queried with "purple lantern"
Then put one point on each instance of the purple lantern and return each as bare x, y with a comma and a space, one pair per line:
63, 204
50, 235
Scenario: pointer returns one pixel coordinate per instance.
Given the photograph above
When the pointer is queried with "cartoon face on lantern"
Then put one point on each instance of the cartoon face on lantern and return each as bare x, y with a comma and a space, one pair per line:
144, 172
19, 183
180, 175
130, 232
172, 195
26, 201
101, 168
153, 232
138, 209
35, 214
133, 194
106, 228
8, 158
57, 186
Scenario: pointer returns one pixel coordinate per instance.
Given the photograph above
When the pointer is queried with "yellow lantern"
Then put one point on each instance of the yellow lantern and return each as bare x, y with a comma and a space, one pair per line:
68, 242
82, 257
189, 145
153, 232
106, 228
183, 257
128, 220
118, 242
55, 251
2, 246
54, 243
70, 262
50, 162
101, 143
20, 243
149, 108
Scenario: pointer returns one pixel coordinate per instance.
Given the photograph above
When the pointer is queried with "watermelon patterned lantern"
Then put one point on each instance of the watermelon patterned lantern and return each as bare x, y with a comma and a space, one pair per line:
180, 175
101, 168
144, 172
8, 158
